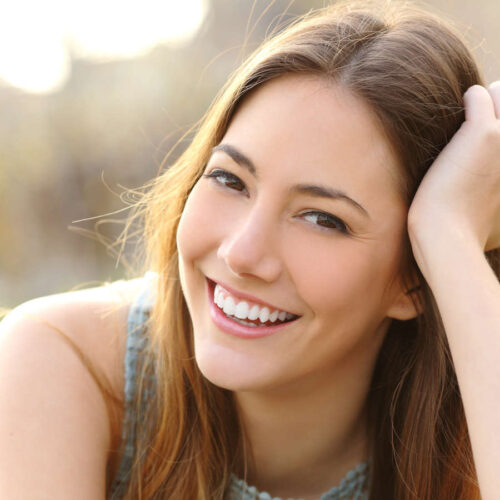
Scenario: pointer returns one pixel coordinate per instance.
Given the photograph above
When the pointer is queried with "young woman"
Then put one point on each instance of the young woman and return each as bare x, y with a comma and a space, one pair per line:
322, 316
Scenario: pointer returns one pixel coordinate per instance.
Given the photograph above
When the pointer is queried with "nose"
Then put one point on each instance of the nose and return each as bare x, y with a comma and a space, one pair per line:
249, 248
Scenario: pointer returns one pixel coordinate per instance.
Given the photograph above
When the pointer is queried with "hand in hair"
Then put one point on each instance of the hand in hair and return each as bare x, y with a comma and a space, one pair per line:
460, 193
455, 216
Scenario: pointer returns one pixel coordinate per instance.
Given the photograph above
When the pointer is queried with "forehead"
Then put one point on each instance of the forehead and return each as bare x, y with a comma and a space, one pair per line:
302, 125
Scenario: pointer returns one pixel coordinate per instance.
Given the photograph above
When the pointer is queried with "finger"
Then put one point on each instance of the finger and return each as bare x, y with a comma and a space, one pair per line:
494, 90
479, 106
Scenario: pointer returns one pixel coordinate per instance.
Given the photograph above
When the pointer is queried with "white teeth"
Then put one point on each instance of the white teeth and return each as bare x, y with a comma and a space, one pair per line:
264, 314
241, 310
220, 300
246, 323
254, 312
229, 306
273, 316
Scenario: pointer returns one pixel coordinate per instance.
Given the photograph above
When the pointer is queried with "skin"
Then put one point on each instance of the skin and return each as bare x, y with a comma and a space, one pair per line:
47, 396
258, 236
453, 219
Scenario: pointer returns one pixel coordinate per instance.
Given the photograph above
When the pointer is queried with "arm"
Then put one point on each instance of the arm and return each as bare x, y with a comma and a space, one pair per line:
53, 422
468, 296
455, 216
55, 433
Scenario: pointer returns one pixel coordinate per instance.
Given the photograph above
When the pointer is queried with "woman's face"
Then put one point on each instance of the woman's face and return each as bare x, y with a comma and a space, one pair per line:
298, 211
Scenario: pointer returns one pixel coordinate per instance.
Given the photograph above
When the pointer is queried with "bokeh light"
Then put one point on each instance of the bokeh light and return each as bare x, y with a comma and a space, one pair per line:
38, 39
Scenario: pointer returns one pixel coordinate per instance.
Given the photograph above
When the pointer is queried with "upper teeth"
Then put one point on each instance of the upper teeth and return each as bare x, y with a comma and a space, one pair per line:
243, 310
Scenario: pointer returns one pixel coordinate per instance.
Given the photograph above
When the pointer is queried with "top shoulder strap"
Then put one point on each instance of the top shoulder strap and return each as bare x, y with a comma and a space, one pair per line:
137, 342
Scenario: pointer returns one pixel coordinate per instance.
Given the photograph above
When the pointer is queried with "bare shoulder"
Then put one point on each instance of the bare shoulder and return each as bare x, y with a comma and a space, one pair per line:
94, 319
55, 432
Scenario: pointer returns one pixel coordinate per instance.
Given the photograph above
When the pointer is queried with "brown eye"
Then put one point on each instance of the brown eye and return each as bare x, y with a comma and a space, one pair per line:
326, 221
227, 179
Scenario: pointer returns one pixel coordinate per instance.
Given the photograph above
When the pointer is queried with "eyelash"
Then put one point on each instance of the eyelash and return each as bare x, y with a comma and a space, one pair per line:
220, 173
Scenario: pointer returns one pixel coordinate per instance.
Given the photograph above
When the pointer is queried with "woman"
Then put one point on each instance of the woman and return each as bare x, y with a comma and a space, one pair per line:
324, 322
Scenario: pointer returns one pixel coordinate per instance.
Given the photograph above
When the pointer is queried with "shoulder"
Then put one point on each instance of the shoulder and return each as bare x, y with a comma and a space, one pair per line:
93, 319
50, 405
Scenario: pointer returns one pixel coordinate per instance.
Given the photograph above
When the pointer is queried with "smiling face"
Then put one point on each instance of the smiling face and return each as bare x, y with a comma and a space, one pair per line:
298, 211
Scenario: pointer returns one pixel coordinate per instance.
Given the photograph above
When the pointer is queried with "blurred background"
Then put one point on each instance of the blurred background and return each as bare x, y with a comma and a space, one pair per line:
94, 94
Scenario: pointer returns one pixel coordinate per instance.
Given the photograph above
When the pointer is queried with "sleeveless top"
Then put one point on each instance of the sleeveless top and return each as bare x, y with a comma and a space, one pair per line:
352, 487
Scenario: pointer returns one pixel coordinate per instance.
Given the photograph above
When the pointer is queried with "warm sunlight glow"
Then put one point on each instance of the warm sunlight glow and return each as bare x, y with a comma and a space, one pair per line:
36, 37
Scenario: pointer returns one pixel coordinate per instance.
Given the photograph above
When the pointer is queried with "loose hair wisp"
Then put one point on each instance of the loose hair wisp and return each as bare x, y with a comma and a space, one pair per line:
411, 69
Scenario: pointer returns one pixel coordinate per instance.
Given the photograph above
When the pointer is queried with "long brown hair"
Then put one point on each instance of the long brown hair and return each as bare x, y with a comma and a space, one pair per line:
411, 69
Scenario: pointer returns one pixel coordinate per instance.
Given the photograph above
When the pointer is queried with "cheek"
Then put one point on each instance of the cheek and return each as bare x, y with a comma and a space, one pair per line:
347, 276
194, 240
194, 233
207, 219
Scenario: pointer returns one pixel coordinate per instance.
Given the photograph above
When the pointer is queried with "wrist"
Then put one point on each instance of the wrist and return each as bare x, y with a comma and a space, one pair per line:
440, 225
442, 247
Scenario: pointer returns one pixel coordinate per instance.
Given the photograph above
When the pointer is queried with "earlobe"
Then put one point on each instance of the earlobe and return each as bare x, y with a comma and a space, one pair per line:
407, 305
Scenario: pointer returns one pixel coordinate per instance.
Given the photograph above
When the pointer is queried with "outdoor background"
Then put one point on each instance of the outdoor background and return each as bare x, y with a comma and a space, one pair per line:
92, 97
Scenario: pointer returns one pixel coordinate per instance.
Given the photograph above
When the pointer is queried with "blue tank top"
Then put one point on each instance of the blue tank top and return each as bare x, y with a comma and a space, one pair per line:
352, 487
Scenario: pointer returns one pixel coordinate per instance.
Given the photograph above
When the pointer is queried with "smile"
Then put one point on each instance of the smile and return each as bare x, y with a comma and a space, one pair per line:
244, 317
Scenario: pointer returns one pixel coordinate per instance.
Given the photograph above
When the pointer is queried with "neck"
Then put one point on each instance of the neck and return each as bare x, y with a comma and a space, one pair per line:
303, 439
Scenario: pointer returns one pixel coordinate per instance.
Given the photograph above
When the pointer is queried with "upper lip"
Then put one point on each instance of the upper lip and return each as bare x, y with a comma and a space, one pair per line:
247, 296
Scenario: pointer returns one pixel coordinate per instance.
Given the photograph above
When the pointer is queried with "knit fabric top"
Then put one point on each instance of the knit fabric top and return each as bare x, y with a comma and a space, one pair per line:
353, 486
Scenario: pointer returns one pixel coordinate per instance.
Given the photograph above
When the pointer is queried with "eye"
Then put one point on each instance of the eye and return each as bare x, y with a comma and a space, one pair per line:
227, 179
326, 221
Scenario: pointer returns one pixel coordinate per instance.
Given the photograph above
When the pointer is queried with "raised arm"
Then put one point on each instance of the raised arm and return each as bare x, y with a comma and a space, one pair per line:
454, 218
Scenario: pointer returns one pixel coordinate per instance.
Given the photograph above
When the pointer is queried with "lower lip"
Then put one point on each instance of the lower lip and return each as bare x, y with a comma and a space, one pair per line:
237, 329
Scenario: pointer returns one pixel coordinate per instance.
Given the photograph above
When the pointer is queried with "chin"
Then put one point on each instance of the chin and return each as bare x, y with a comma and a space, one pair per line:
229, 370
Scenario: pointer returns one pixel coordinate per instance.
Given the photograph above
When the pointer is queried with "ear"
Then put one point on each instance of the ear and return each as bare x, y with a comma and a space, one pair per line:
403, 307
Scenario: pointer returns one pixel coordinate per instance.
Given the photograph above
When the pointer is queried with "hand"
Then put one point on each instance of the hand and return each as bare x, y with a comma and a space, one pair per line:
460, 193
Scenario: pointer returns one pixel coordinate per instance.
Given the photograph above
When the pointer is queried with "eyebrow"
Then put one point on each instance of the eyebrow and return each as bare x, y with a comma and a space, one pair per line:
317, 191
